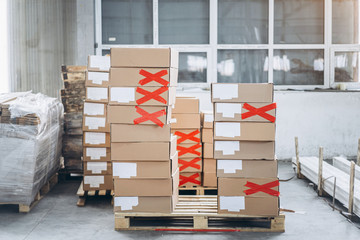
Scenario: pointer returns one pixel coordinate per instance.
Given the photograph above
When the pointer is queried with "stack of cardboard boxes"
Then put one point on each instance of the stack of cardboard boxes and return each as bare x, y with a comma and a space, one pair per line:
96, 154
143, 151
244, 135
186, 126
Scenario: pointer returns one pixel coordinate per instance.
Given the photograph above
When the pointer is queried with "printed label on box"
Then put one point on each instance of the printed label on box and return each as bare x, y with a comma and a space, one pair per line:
229, 166
126, 203
225, 91
228, 110
98, 77
96, 167
95, 93
94, 108
95, 138
94, 122
227, 147
94, 181
100, 62
122, 94
95, 153
225, 129
124, 170
232, 203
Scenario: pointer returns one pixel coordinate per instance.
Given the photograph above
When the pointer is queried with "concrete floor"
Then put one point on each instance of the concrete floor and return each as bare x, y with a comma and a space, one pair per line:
58, 217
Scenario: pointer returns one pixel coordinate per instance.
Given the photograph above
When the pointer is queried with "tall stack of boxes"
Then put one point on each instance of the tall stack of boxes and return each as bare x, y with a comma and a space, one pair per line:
143, 151
186, 126
244, 146
96, 154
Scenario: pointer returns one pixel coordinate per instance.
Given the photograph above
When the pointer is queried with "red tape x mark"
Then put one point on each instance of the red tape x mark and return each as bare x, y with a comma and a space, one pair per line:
183, 150
259, 111
151, 95
157, 77
192, 179
266, 188
149, 116
187, 136
192, 163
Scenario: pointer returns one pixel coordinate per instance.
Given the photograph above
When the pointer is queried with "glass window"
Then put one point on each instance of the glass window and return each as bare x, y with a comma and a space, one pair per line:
299, 21
346, 66
298, 67
243, 22
127, 21
345, 21
192, 67
242, 66
105, 52
183, 21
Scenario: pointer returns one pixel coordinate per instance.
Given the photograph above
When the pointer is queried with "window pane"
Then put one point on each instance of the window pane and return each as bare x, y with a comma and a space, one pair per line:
298, 67
345, 21
299, 21
183, 21
243, 22
127, 21
346, 66
242, 66
192, 67
105, 52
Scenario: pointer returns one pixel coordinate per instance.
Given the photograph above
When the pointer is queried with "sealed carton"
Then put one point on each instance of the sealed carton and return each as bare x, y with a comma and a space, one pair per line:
241, 150
96, 139
207, 135
95, 124
209, 165
247, 131
94, 168
208, 150
187, 135
96, 154
209, 179
97, 79
247, 168
207, 119
185, 120
186, 105
97, 182
97, 94
189, 150
140, 133
99, 63
95, 109
189, 179
190, 164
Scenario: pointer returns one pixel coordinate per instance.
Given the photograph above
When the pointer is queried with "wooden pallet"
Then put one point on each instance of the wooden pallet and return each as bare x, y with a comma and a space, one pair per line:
198, 214
197, 190
84, 194
24, 208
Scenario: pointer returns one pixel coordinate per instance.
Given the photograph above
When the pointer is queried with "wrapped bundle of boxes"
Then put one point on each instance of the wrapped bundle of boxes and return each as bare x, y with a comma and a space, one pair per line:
244, 146
186, 126
96, 154
143, 151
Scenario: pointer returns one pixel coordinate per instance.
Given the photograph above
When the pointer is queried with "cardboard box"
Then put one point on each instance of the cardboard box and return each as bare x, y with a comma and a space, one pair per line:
96, 154
138, 170
143, 115
144, 96
190, 179
94, 168
242, 187
207, 119
97, 94
140, 133
144, 204
95, 109
243, 150
242, 92
99, 63
185, 121
190, 164
209, 165
97, 79
189, 150
207, 135
233, 112
97, 182
186, 105
187, 135
144, 57
247, 169
96, 139
208, 150
150, 77
247, 131
95, 124
209, 179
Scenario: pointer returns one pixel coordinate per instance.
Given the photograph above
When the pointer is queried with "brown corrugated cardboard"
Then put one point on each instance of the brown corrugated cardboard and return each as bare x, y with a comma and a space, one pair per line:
96, 139
262, 187
209, 165
174, 163
185, 121
97, 79
138, 170
143, 115
242, 150
95, 109
150, 77
247, 168
207, 119
143, 95
144, 57
209, 179
186, 105
187, 135
97, 94
143, 187
95, 168
232, 112
144, 204
207, 135
140, 133
189, 179
97, 182
242, 92
247, 131
208, 150
95, 124
189, 150
99, 63
190, 164
96, 154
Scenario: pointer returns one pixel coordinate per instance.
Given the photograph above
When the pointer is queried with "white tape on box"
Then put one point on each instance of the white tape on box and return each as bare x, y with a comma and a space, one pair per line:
227, 129
122, 94
95, 153
232, 203
124, 170
94, 109
100, 62
98, 77
94, 181
227, 147
225, 91
126, 203
95, 138
96, 167
228, 110
95, 93
94, 123
229, 166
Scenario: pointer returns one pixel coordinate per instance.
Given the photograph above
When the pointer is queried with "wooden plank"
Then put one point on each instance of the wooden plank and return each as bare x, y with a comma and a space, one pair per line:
351, 187
80, 191
81, 202
320, 172
102, 192
200, 222
91, 193
297, 158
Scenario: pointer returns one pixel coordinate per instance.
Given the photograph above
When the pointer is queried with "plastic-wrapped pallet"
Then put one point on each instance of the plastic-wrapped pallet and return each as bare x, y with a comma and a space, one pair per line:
31, 129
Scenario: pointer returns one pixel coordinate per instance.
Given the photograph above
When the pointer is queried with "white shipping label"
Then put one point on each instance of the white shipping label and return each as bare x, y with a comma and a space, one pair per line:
100, 62
122, 94
94, 122
232, 203
124, 170
95, 138
95, 153
94, 181
225, 91
98, 77
96, 167
227, 129
126, 203
229, 166
208, 117
173, 120
94, 109
228, 110
95, 93
227, 147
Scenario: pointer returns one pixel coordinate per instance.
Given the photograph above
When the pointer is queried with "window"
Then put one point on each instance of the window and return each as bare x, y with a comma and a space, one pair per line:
298, 44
